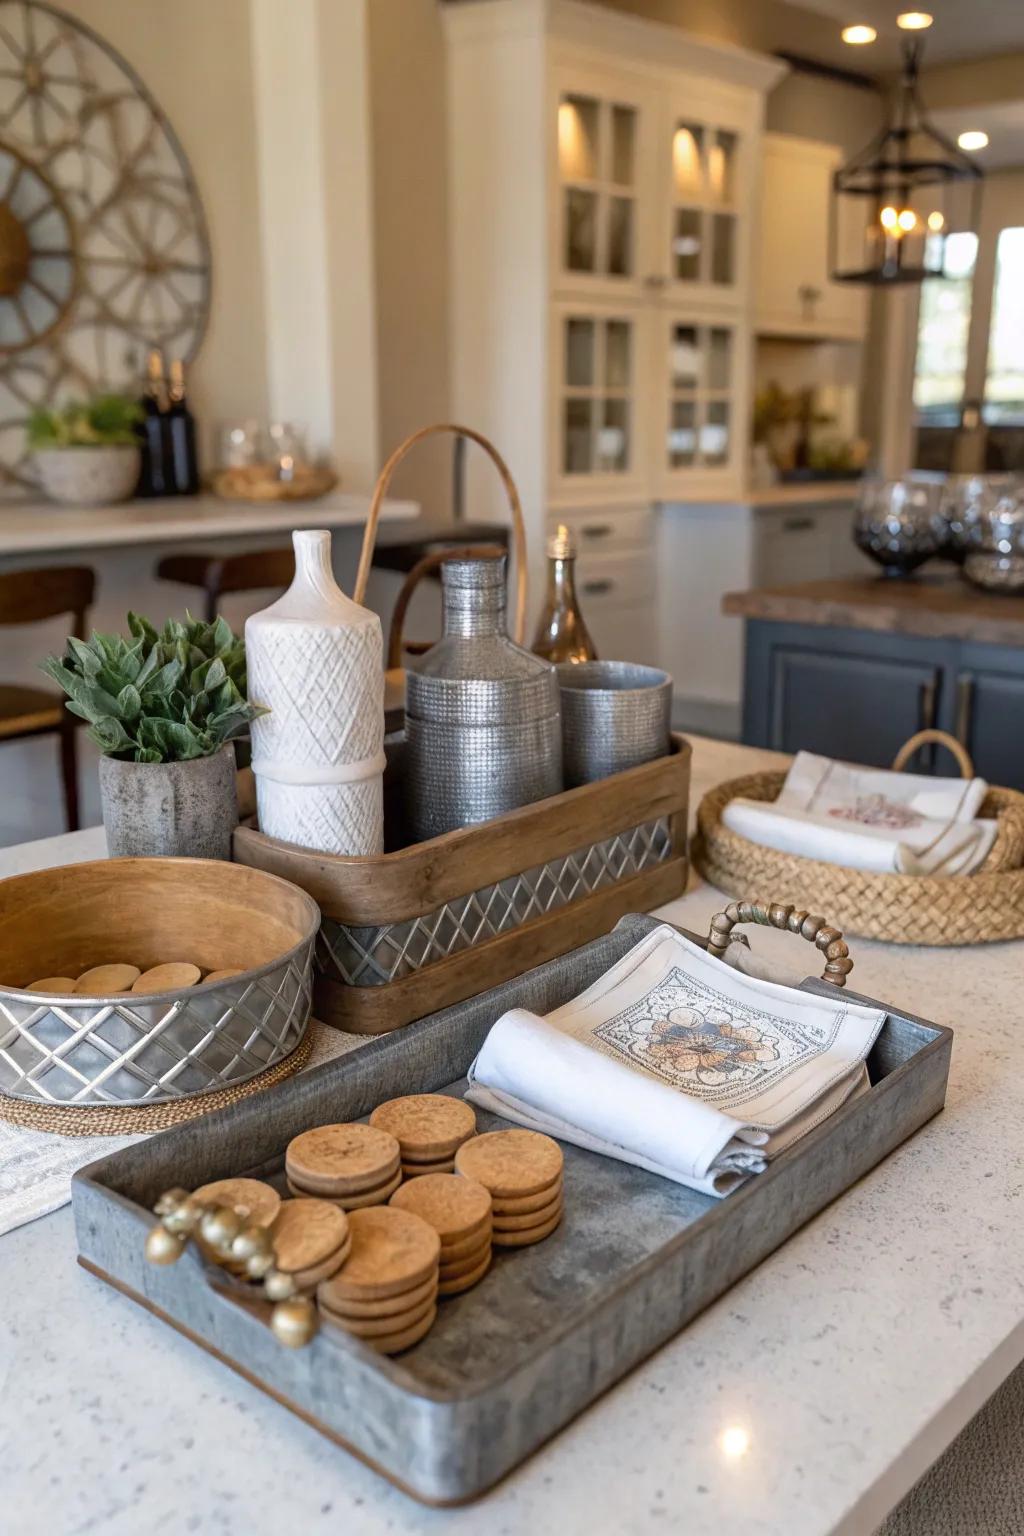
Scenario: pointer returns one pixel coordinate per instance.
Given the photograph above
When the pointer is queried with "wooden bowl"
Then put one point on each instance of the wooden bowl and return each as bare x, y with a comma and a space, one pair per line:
148, 1048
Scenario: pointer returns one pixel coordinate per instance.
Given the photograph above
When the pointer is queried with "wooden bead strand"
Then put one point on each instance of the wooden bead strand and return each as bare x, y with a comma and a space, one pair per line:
776, 914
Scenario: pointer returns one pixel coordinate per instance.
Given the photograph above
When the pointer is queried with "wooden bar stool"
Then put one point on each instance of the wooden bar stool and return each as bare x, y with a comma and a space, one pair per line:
28, 597
217, 574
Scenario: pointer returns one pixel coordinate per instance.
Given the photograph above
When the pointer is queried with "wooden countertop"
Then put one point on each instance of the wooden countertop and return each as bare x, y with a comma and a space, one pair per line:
941, 606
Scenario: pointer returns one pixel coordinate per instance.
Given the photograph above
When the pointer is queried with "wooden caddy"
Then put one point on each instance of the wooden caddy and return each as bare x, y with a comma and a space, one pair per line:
414, 882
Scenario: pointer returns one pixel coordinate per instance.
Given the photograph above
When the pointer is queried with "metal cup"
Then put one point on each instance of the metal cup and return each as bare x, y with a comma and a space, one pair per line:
615, 715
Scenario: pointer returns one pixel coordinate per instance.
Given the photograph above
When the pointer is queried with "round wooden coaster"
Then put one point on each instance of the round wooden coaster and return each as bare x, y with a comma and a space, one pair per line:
52, 984
510, 1164
102, 980
417, 1170
223, 975
385, 1306
394, 1343
530, 1235
308, 1279
459, 1267
529, 1219
427, 1125
452, 1252
251, 1199
377, 1196
392, 1251
306, 1232
425, 1160
384, 1327
527, 1203
455, 1208
465, 1282
167, 978
338, 1160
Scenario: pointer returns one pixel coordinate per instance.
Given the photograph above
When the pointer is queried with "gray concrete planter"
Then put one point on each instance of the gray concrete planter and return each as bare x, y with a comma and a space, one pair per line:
88, 477
188, 810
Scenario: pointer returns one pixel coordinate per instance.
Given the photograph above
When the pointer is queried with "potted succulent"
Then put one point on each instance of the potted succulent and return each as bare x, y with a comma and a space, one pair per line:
87, 454
165, 710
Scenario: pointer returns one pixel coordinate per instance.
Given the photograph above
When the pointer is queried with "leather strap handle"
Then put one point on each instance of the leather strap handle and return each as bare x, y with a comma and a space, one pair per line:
792, 920
942, 739
514, 507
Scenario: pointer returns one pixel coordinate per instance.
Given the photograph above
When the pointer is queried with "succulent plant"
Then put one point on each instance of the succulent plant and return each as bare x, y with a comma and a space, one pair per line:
158, 697
106, 420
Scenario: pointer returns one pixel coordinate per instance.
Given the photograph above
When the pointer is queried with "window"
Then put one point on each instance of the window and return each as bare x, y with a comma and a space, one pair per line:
943, 325
1004, 379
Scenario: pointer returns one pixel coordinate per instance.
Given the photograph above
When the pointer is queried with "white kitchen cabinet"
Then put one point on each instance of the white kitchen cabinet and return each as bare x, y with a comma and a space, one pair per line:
795, 295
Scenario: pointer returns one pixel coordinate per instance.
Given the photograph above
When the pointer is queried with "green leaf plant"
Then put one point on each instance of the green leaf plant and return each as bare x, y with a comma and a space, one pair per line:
161, 697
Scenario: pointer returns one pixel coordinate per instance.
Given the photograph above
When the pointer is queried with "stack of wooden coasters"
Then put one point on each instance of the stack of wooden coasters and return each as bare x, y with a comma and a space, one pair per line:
255, 1202
312, 1241
352, 1165
429, 1128
459, 1210
522, 1170
386, 1293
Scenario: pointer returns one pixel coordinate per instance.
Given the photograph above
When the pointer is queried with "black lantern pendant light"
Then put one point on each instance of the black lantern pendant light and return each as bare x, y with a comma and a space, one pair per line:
894, 204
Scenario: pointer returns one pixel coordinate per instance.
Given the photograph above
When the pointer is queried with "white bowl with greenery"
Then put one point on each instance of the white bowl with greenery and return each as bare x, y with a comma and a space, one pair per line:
87, 455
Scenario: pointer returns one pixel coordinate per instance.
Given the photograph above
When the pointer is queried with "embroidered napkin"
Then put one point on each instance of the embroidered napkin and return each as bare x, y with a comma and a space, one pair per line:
679, 1064
871, 819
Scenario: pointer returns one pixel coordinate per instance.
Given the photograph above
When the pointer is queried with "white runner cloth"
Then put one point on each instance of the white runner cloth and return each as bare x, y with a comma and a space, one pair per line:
870, 819
679, 1064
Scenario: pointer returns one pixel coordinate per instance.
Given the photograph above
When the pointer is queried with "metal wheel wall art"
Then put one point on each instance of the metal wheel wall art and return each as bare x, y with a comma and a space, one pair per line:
104, 251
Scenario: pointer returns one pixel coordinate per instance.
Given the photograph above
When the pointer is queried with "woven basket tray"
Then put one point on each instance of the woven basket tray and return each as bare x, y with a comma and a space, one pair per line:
901, 909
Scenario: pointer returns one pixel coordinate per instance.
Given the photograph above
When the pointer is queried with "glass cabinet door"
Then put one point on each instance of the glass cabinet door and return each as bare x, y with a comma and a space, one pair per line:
702, 235
701, 368
597, 174
596, 396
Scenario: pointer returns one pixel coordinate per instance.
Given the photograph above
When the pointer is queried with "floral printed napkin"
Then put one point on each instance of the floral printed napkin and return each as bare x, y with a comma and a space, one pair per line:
680, 1064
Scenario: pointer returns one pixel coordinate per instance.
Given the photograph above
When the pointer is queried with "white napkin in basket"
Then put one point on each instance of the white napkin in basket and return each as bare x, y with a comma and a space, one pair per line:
679, 1064
870, 819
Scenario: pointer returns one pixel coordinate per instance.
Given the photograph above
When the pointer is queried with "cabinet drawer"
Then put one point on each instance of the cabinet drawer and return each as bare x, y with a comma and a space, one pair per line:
614, 579
605, 528
793, 544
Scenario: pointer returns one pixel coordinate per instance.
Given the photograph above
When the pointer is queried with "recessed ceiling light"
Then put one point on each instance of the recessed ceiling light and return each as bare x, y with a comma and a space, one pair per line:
914, 21
859, 35
974, 138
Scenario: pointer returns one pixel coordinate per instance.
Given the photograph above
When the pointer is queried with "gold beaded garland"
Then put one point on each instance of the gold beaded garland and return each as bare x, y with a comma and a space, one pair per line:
163, 1247
294, 1322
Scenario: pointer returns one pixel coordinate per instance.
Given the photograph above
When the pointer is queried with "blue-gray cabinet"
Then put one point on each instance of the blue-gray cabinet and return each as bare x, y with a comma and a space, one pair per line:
858, 694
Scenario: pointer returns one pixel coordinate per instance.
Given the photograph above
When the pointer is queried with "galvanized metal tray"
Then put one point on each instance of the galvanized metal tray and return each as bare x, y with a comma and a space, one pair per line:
510, 1362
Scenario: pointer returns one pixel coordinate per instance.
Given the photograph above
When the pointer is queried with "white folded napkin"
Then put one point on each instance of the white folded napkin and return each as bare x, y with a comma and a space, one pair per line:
870, 819
679, 1064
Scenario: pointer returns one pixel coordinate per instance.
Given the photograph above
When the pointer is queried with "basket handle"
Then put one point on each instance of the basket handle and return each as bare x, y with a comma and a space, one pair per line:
422, 568
514, 507
776, 915
942, 739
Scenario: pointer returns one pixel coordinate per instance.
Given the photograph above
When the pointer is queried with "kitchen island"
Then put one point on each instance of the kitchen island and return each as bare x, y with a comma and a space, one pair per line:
852, 667
806, 1401
123, 544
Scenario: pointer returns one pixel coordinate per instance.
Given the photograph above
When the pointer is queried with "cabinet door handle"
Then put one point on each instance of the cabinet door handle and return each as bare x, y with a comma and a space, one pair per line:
926, 712
596, 530
655, 280
798, 524
596, 588
964, 707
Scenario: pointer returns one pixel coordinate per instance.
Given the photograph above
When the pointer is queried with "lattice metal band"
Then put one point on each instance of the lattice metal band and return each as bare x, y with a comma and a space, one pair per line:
372, 957
144, 1052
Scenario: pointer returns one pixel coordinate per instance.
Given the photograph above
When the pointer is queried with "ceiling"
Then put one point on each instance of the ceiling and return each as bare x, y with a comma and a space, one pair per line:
963, 29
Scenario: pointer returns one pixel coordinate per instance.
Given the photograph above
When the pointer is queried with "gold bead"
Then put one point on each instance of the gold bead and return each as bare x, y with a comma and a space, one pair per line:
259, 1264
169, 1201
219, 1227
250, 1241
163, 1247
294, 1322
183, 1218
278, 1286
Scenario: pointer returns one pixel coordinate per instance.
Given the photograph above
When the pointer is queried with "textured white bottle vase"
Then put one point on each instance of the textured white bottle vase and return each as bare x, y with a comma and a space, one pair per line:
316, 660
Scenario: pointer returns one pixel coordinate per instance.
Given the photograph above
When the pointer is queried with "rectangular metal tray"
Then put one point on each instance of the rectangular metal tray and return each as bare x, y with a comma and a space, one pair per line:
510, 1362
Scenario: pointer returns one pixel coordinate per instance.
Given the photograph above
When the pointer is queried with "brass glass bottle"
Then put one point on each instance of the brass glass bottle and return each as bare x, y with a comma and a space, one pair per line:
562, 634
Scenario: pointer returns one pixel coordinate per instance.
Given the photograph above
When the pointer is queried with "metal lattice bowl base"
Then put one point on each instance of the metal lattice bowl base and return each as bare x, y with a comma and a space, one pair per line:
151, 1048
428, 925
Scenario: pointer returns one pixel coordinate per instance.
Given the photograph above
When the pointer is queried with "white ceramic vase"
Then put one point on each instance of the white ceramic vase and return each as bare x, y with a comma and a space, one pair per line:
316, 660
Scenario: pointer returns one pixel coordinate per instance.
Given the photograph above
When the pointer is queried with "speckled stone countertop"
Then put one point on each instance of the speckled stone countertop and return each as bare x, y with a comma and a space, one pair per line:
941, 606
806, 1401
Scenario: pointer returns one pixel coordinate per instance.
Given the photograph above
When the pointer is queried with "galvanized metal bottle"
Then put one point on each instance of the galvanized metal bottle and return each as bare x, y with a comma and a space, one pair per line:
482, 715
